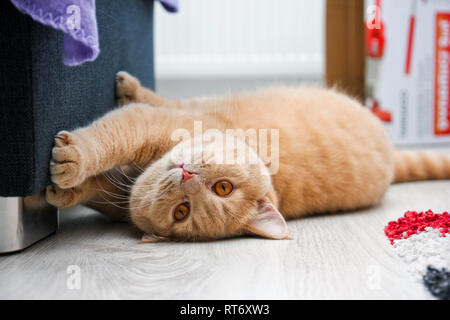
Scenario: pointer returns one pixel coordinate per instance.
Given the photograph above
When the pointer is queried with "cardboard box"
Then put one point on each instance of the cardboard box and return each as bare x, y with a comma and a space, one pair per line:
408, 68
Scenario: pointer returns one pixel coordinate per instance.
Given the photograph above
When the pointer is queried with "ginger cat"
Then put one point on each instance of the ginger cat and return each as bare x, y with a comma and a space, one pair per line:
331, 155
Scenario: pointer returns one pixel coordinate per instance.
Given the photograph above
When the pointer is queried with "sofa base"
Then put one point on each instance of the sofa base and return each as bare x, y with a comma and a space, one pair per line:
25, 221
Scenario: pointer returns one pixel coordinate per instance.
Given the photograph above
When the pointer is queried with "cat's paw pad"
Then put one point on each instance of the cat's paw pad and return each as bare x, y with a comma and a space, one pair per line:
126, 88
66, 166
62, 198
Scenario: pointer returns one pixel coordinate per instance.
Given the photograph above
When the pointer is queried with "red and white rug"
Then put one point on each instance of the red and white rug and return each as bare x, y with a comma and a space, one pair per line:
422, 240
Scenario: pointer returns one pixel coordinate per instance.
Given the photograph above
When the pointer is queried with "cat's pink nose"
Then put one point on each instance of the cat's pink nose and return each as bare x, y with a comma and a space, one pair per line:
186, 175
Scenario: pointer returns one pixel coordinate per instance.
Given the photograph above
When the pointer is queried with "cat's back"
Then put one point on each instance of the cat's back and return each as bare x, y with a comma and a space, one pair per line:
291, 104
305, 111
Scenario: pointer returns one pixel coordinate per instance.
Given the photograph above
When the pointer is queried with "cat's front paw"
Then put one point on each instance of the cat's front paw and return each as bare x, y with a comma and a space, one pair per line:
62, 198
126, 88
67, 164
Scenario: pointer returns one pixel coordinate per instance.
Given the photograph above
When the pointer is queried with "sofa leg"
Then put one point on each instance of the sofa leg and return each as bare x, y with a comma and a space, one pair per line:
23, 221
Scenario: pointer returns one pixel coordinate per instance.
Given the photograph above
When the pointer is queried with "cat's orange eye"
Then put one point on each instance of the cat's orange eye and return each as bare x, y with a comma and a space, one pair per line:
223, 188
181, 211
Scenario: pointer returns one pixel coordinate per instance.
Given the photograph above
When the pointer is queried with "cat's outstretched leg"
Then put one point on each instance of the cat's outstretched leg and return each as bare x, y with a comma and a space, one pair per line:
107, 193
65, 198
129, 89
136, 133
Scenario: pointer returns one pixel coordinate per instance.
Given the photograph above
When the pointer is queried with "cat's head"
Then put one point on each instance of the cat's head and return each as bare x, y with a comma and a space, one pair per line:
195, 192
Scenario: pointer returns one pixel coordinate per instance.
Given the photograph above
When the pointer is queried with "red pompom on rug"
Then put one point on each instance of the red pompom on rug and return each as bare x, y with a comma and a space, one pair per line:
422, 240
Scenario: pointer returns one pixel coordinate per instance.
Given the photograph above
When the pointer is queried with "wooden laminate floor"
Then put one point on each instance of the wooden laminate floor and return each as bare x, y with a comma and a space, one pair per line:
331, 256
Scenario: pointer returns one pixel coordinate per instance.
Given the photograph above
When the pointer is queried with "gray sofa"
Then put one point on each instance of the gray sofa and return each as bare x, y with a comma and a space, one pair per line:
41, 96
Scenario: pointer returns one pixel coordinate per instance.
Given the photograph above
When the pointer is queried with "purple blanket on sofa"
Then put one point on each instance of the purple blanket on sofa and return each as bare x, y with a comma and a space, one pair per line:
77, 20
170, 5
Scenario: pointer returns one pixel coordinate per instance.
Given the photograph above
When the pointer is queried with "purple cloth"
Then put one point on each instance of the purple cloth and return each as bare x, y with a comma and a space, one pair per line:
76, 18
170, 5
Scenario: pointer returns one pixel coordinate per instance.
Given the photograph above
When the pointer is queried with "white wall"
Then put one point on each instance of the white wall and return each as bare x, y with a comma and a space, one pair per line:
241, 38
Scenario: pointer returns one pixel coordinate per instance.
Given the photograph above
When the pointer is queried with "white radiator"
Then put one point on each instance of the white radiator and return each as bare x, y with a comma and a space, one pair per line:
241, 38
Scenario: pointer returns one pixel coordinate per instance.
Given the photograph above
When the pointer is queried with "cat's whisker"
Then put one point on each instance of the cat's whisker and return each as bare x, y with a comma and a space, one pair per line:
138, 167
110, 203
117, 204
111, 181
116, 179
121, 171
102, 190
117, 184
119, 196
112, 194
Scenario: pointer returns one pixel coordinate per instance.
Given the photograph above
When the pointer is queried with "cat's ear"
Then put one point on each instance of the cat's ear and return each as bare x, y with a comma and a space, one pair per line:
151, 238
269, 222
